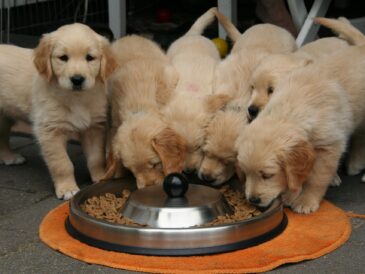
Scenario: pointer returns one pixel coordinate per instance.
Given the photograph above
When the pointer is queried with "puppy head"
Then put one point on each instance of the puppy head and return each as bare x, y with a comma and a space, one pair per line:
149, 149
275, 158
217, 166
74, 57
267, 75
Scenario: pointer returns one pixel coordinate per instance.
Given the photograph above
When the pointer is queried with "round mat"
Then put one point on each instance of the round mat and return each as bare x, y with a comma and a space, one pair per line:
306, 237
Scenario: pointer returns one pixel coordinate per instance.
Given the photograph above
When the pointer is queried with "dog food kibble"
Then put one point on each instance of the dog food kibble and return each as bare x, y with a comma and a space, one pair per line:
107, 207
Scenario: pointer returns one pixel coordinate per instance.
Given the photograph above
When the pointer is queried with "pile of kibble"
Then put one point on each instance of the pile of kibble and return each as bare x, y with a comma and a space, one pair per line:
108, 208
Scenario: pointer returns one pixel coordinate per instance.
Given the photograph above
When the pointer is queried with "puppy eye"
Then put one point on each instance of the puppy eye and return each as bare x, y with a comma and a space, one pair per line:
266, 176
270, 90
63, 58
89, 58
252, 88
155, 165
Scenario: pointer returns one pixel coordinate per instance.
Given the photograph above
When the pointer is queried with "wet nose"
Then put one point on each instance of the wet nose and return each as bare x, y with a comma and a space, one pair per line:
77, 80
254, 200
253, 111
207, 178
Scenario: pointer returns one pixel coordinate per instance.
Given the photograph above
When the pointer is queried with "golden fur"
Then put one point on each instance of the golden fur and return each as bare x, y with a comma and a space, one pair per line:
273, 67
195, 58
293, 148
16, 75
231, 89
69, 97
141, 141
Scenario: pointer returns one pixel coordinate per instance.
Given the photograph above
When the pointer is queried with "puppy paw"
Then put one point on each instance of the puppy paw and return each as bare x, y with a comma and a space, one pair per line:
305, 205
336, 181
363, 178
66, 192
353, 169
12, 159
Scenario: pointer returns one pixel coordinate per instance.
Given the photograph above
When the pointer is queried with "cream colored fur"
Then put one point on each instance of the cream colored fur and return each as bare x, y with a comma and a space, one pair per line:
141, 141
16, 76
195, 58
62, 109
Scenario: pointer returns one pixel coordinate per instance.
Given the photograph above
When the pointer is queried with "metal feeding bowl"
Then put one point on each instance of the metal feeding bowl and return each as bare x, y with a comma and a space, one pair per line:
173, 215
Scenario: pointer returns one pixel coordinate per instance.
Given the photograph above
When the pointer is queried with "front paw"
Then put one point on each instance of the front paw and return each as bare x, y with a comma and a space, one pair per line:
336, 181
66, 191
12, 159
305, 205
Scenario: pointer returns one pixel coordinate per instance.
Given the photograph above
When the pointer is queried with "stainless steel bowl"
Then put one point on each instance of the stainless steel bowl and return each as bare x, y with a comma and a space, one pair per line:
169, 241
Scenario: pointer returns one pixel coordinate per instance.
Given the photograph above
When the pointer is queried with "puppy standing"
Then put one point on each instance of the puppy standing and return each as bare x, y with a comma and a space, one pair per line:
69, 98
16, 75
143, 143
293, 147
232, 88
195, 58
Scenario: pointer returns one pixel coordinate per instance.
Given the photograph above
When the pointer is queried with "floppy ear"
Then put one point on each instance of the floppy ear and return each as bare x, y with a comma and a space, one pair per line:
166, 84
171, 148
108, 62
42, 57
112, 164
213, 103
240, 174
298, 164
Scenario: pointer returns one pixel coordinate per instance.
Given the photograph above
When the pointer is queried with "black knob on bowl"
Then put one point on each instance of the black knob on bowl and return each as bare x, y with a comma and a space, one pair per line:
175, 185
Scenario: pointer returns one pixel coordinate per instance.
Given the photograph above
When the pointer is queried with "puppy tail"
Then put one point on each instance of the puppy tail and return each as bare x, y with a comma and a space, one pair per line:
343, 28
231, 30
202, 22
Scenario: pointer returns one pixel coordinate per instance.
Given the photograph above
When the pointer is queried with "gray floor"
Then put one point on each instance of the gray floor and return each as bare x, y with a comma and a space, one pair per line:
26, 195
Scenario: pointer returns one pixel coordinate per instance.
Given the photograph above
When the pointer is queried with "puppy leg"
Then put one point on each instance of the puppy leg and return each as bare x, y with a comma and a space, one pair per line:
7, 156
93, 145
54, 149
323, 172
356, 160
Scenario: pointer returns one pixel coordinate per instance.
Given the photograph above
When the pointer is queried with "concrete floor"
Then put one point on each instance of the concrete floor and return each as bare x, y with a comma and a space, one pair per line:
26, 195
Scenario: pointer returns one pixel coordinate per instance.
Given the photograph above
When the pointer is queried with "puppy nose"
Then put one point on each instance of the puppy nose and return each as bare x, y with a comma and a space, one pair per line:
254, 200
77, 80
207, 178
253, 111
189, 171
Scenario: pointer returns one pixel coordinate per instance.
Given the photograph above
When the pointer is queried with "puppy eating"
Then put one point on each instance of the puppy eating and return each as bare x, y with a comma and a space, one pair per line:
292, 149
69, 98
195, 58
141, 141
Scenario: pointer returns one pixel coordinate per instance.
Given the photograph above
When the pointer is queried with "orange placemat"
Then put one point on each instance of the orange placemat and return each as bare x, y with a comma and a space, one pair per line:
306, 237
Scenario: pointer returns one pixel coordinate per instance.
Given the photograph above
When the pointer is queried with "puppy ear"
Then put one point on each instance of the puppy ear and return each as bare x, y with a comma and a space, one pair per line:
298, 164
42, 57
213, 103
111, 166
108, 62
166, 84
240, 174
171, 148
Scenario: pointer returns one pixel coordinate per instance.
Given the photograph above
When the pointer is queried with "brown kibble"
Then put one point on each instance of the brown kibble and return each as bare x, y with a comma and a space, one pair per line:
108, 208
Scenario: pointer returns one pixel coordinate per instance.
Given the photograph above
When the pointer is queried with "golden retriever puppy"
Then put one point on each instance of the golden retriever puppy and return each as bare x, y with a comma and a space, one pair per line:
273, 67
142, 142
69, 98
194, 58
218, 164
293, 147
233, 74
16, 75
351, 77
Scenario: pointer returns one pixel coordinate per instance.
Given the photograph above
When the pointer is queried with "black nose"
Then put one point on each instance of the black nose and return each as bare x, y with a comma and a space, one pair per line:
254, 200
189, 171
208, 178
253, 111
77, 80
